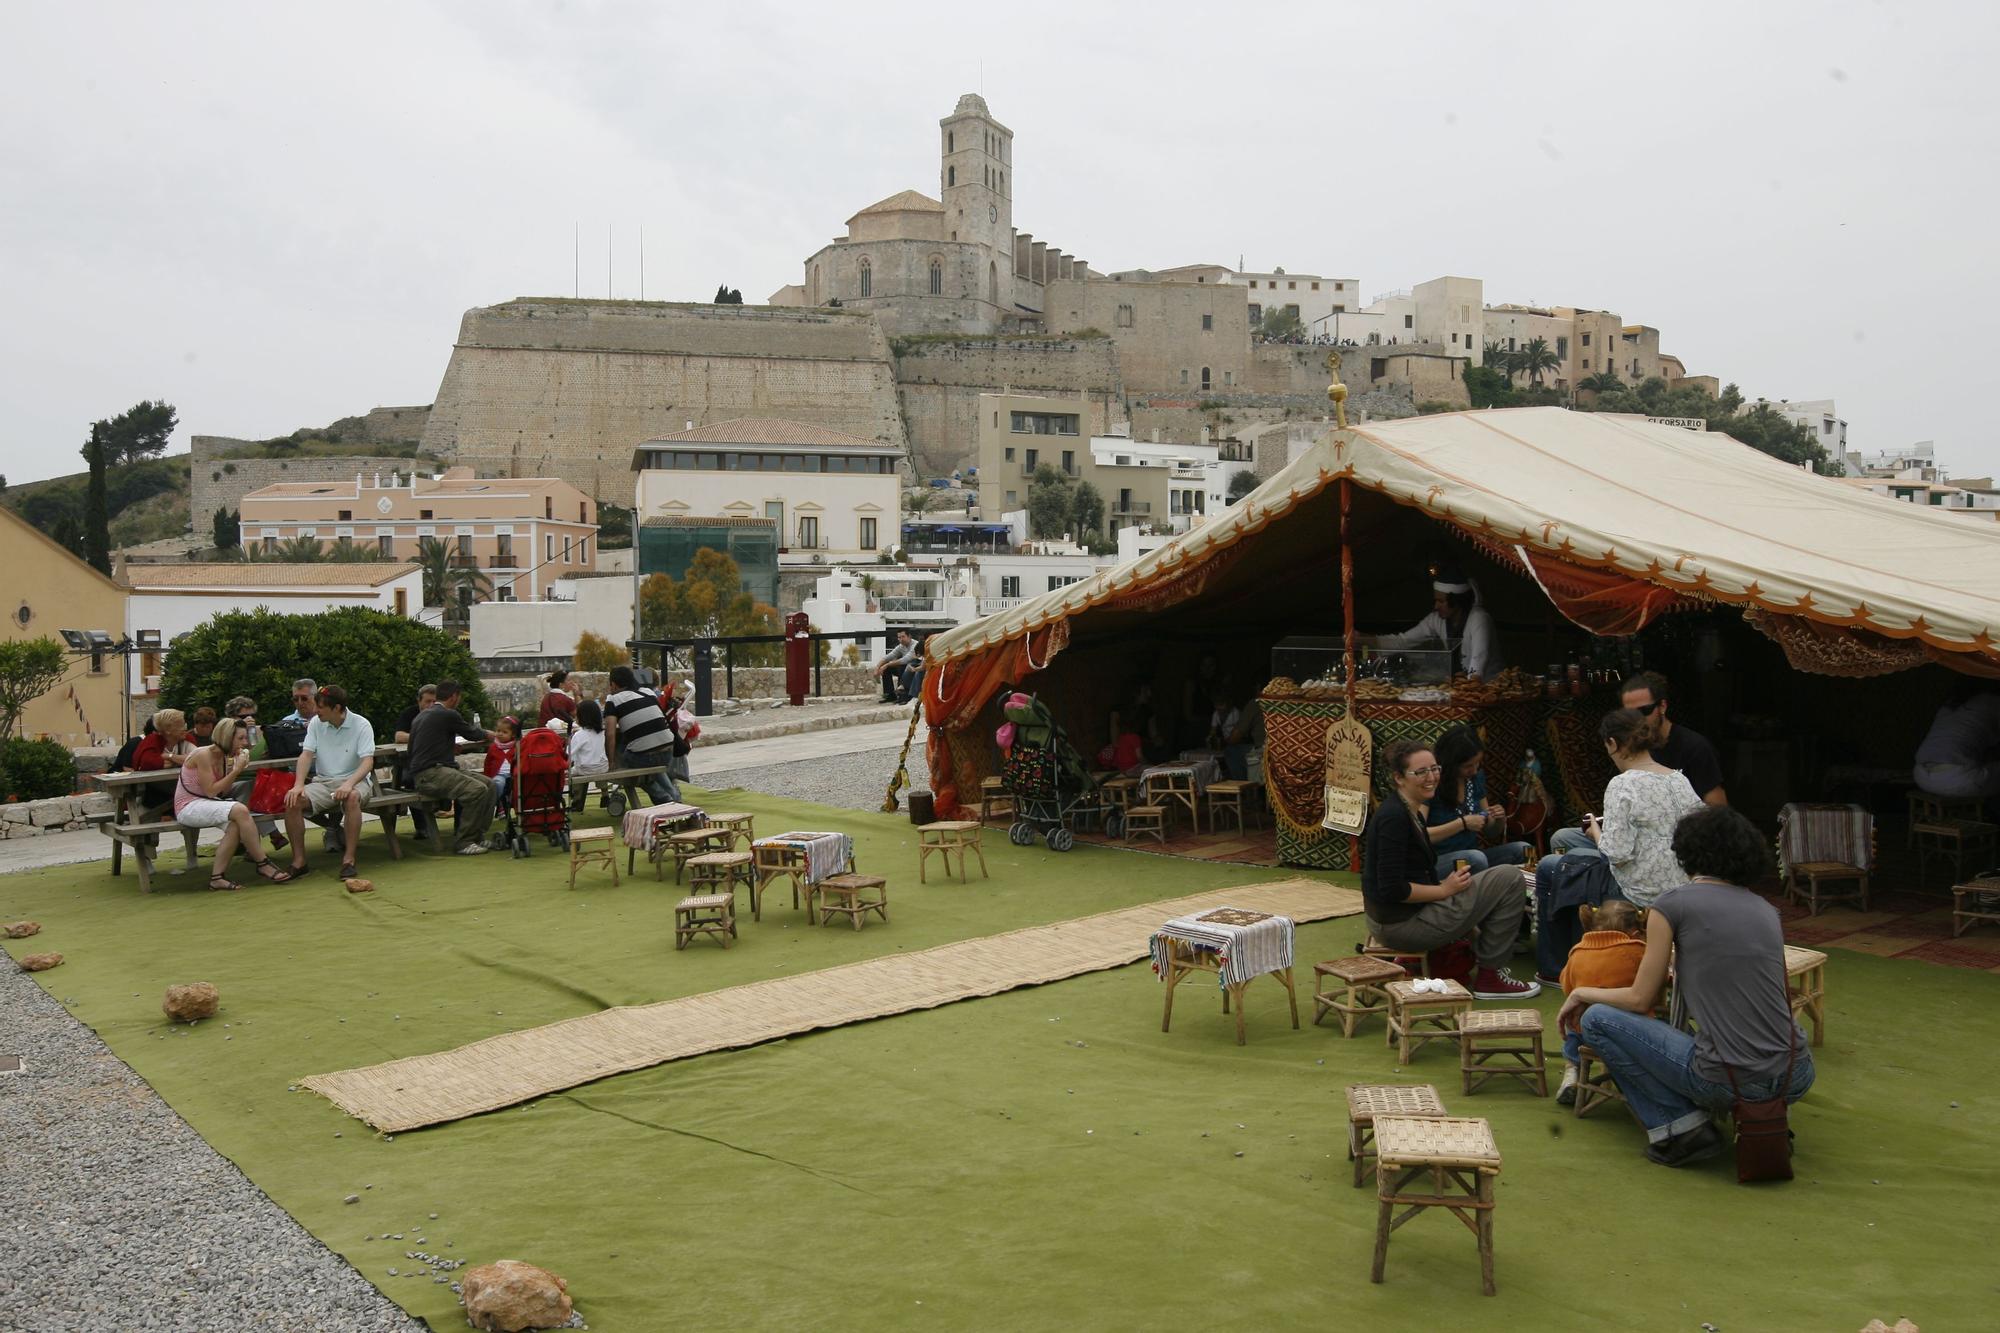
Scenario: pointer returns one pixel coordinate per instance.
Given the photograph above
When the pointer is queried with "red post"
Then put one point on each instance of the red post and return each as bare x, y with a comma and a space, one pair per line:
798, 657
1347, 632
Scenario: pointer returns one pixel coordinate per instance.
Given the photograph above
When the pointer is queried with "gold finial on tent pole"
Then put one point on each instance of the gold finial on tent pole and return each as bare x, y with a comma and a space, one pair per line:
901, 779
1337, 390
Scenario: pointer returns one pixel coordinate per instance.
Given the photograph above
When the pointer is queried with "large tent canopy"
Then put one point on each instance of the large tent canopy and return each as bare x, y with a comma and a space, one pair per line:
1615, 519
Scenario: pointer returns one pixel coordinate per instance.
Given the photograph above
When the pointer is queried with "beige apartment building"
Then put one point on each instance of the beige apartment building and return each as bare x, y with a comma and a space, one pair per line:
1163, 486
523, 533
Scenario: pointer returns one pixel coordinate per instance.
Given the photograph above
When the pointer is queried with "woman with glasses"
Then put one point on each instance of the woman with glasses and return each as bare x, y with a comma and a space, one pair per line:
1410, 906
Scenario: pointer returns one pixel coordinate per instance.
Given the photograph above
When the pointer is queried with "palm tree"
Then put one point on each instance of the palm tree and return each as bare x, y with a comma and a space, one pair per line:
1604, 381
299, 551
346, 551
1537, 357
446, 582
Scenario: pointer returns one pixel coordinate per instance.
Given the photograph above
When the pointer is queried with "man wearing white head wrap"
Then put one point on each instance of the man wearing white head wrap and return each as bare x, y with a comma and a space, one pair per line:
1459, 621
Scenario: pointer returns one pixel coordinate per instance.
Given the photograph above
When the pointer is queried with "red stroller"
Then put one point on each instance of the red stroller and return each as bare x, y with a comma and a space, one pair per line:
541, 791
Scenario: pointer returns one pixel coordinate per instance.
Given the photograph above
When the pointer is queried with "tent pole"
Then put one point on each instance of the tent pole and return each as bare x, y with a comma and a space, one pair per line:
1347, 631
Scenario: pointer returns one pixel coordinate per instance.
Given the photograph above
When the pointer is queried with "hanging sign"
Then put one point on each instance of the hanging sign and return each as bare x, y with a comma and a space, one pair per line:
1350, 767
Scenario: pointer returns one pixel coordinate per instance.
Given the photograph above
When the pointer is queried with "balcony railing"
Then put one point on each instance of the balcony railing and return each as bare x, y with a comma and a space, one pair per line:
503, 561
910, 605
1134, 507
464, 560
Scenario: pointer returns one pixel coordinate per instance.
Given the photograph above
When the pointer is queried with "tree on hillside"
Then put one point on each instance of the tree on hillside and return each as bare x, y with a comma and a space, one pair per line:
96, 513
447, 583
141, 431
727, 295
1538, 357
1049, 503
1240, 485
226, 528
1280, 324
1086, 508
29, 669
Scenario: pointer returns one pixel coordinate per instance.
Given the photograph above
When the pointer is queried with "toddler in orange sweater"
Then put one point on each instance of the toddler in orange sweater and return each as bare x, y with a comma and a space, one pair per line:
1608, 955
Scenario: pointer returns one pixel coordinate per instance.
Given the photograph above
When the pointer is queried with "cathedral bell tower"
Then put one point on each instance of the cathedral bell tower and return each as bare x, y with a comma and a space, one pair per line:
976, 183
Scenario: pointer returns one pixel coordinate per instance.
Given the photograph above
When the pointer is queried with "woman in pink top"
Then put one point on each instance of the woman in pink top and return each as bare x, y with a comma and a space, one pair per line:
199, 802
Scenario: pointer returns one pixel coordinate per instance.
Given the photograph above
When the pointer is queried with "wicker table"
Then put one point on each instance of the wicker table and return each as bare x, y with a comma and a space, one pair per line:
1971, 904
1233, 945
1462, 1161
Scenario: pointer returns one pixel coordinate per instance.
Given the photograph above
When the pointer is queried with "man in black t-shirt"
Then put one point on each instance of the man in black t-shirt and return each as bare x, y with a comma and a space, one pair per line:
1676, 745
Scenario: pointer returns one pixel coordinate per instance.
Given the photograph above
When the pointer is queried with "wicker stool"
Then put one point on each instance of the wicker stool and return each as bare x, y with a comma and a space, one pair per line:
849, 894
1355, 991
1365, 1101
1225, 798
1501, 1043
773, 860
1416, 964
1805, 982
1146, 821
1417, 1017
946, 836
1121, 792
705, 914
994, 802
1973, 903
1462, 1162
1953, 838
720, 872
739, 824
593, 846
1804, 881
1594, 1084
690, 843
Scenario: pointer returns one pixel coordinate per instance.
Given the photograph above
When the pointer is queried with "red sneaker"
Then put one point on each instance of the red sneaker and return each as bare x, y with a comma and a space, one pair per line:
1493, 983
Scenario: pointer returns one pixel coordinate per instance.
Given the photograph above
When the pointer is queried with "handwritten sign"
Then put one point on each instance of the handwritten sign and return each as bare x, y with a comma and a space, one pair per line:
1350, 766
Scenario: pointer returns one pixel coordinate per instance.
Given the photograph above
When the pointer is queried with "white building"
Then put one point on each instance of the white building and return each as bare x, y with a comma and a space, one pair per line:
600, 605
1816, 415
173, 599
833, 496
1917, 461
889, 598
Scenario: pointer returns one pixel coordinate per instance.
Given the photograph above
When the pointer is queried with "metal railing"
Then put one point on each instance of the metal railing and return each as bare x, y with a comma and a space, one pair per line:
697, 655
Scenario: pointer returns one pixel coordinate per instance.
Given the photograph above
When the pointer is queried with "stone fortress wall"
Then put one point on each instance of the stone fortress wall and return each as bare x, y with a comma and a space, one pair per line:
563, 388
939, 383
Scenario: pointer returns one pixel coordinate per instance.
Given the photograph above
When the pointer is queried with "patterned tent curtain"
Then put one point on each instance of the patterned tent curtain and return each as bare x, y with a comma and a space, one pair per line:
1832, 650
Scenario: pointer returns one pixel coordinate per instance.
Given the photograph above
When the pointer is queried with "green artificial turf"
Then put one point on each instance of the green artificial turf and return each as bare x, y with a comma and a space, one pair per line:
1042, 1158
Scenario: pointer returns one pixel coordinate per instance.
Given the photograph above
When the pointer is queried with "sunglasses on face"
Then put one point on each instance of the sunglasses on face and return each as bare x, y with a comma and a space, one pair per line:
1647, 711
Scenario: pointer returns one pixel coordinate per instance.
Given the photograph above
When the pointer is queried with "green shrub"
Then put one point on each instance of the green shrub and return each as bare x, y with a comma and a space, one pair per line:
594, 652
36, 770
378, 658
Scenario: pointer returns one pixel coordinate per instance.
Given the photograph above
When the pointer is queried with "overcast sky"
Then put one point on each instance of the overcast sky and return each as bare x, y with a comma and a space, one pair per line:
273, 216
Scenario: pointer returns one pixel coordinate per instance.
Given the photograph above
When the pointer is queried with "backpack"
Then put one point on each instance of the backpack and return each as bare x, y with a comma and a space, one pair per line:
284, 740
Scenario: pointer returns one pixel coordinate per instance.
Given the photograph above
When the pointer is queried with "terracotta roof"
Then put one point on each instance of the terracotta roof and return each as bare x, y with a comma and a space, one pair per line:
769, 430
909, 201
261, 574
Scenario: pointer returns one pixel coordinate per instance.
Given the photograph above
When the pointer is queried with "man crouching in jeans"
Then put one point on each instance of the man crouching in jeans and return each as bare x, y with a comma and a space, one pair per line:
336, 772
1409, 909
432, 766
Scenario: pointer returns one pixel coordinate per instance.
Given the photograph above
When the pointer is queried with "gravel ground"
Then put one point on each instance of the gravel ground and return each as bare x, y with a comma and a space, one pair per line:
115, 1215
851, 781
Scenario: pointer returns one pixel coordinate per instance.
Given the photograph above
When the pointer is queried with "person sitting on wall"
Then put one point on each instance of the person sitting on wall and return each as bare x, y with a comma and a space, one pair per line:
910, 683
890, 669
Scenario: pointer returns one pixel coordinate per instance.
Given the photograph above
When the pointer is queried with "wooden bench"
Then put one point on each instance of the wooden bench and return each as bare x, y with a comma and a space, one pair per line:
627, 778
143, 838
388, 804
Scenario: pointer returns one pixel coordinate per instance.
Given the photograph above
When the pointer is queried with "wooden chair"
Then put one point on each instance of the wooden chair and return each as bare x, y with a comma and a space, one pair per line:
1594, 1084
1973, 903
1146, 821
1927, 807
1355, 990
690, 843
948, 837
1501, 1043
739, 825
1419, 1017
994, 802
1365, 1101
1953, 838
1462, 1161
854, 896
705, 914
1815, 851
1226, 798
1805, 983
593, 846
1168, 789
720, 872
1184, 960
778, 860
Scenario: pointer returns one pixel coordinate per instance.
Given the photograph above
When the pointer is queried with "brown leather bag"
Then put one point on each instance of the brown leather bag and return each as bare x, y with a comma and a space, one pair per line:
1763, 1133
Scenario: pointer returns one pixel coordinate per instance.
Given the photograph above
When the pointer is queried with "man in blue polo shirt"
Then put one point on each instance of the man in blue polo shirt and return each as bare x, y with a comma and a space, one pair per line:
336, 771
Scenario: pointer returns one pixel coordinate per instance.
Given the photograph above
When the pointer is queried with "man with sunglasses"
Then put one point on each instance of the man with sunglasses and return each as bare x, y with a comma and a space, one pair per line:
1675, 744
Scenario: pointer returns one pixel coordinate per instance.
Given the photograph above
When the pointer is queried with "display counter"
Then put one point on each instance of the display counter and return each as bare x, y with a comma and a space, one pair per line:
1561, 732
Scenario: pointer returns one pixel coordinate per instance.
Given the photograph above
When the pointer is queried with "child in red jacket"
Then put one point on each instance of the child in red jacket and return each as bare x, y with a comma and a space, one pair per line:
500, 756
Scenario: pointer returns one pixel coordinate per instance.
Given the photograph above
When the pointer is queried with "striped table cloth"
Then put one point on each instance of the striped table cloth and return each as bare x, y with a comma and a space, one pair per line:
1249, 943
644, 826
826, 853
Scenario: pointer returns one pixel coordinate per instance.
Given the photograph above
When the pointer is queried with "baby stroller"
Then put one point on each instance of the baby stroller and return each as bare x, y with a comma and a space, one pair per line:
1052, 789
541, 791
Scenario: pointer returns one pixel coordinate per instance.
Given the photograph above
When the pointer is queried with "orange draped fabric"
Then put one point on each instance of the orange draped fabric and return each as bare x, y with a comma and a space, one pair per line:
955, 691
1602, 601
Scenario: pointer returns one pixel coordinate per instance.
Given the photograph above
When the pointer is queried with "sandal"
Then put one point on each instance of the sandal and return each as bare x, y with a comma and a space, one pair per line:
222, 884
270, 872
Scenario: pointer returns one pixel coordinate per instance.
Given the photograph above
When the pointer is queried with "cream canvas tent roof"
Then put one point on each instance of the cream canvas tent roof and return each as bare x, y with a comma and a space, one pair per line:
1699, 513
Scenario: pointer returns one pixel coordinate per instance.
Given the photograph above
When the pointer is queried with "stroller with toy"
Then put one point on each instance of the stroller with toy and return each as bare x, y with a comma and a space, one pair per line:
541, 791
1053, 791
